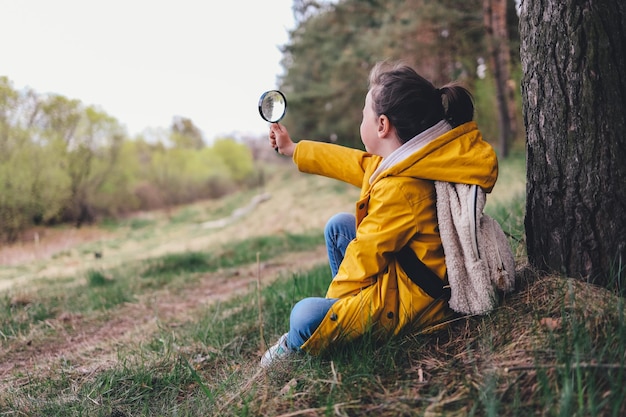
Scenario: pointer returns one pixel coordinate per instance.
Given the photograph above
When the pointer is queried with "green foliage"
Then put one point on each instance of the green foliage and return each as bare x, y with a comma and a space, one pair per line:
63, 161
484, 93
33, 186
236, 157
507, 202
184, 134
333, 47
511, 218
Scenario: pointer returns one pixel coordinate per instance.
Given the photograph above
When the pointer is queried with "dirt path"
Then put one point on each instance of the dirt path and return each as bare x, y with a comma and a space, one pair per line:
42, 243
92, 345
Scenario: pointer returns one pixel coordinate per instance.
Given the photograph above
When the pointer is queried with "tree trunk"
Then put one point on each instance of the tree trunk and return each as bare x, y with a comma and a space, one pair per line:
574, 101
494, 17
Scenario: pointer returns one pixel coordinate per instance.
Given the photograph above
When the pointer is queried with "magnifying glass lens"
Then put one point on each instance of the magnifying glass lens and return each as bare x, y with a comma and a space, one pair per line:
272, 106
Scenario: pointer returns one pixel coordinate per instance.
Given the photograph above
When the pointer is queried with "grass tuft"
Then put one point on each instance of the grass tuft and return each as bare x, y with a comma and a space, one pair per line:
97, 278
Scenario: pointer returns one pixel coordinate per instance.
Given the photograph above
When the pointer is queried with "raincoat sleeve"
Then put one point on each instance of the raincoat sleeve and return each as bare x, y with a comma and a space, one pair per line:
333, 161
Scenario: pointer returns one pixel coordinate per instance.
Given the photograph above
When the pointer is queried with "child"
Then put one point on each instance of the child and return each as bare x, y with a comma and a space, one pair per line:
387, 261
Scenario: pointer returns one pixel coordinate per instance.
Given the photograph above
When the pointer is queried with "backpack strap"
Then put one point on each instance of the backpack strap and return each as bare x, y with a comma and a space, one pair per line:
472, 204
421, 275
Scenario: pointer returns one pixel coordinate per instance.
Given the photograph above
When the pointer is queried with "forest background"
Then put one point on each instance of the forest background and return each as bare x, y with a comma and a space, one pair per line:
62, 161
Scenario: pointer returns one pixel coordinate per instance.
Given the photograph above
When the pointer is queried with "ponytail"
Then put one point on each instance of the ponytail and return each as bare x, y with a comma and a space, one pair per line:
458, 104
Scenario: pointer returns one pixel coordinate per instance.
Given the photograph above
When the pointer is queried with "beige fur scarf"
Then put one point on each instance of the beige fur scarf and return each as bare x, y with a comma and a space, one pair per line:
478, 255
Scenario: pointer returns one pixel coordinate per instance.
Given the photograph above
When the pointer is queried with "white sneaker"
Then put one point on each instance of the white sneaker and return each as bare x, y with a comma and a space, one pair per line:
276, 352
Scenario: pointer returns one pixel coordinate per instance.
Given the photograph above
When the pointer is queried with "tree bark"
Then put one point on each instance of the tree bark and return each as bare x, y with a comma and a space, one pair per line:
574, 102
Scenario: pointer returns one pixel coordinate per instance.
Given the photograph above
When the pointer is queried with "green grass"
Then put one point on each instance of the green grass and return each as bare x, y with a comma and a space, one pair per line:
232, 254
17, 315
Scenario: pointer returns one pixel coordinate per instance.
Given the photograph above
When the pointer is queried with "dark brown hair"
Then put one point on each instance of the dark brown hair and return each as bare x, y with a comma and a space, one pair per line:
413, 104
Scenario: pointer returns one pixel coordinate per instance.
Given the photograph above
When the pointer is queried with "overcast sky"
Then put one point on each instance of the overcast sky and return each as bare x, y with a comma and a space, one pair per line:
146, 61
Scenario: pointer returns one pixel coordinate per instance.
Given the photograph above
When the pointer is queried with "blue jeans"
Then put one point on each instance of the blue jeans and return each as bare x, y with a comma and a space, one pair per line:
308, 313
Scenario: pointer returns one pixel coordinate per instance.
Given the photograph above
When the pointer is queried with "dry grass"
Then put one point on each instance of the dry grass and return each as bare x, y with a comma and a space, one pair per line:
555, 347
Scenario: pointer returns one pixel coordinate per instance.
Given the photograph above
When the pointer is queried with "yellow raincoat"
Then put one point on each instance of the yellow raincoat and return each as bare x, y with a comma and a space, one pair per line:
397, 209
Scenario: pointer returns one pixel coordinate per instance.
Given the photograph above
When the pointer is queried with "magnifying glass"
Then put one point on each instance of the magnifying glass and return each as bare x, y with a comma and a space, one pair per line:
272, 106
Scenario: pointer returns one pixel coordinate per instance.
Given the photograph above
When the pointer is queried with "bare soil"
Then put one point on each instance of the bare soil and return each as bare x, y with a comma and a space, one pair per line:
42, 243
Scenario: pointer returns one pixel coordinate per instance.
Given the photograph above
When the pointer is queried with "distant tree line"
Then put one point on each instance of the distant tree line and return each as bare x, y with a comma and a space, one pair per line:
335, 43
62, 161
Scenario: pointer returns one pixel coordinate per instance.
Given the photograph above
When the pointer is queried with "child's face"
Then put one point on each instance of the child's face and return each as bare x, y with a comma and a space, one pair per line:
369, 126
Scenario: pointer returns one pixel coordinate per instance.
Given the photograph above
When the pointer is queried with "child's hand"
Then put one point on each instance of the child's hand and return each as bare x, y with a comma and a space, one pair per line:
280, 139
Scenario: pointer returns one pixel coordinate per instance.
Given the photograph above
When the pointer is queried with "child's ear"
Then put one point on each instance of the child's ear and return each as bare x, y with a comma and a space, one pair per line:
384, 126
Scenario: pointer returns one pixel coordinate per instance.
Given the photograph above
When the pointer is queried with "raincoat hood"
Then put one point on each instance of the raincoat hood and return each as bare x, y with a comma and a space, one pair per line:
441, 153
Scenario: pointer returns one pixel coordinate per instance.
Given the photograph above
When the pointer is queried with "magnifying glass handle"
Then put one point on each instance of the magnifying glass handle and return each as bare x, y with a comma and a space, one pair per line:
276, 144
